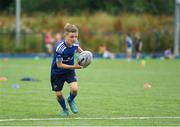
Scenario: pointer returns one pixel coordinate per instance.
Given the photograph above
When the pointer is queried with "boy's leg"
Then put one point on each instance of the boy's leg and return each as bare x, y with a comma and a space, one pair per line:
62, 103
72, 95
73, 91
57, 82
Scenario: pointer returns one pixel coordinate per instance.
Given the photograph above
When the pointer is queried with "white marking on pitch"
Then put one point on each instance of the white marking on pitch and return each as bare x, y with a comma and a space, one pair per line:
98, 118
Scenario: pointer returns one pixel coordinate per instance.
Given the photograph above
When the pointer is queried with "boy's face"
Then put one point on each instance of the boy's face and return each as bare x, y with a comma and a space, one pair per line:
71, 38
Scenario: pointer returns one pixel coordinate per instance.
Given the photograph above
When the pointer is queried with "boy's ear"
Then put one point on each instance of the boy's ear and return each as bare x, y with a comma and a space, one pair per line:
65, 33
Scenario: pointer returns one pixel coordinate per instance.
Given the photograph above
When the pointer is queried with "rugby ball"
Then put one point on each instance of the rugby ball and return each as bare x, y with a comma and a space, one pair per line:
85, 58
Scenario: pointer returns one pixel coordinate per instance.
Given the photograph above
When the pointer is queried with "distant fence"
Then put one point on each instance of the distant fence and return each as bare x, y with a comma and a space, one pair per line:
29, 42
153, 42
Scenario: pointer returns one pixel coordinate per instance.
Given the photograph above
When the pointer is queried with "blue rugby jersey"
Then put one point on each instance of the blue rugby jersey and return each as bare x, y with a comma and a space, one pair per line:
65, 54
129, 42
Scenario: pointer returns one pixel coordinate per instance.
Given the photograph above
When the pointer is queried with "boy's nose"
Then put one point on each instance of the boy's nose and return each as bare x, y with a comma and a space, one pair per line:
75, 39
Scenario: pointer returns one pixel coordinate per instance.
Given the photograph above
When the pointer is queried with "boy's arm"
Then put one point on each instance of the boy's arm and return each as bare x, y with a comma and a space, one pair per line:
65, 66
80, 49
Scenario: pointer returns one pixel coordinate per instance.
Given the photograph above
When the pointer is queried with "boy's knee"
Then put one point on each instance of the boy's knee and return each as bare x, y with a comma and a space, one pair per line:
59, 94
74, 90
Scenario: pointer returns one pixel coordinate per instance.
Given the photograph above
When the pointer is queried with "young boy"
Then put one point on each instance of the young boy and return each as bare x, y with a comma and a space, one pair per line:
63, 68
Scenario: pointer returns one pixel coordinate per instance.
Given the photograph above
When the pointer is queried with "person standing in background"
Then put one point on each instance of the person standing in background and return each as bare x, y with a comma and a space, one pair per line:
138, 46
48, 43
58, 37
129, 44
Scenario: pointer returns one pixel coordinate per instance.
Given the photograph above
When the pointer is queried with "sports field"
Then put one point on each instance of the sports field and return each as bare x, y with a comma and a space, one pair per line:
111, 93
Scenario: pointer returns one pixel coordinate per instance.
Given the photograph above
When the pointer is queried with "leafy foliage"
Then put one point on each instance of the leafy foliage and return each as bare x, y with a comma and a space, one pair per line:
74, 7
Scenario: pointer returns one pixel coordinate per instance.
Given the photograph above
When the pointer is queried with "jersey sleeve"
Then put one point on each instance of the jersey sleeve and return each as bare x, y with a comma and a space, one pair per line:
59, 57
59, 52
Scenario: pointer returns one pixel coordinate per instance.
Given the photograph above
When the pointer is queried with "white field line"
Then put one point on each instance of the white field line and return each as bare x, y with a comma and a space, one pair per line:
89, 118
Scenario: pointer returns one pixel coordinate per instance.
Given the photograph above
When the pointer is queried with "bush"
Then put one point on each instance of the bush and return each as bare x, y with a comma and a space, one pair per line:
156, 31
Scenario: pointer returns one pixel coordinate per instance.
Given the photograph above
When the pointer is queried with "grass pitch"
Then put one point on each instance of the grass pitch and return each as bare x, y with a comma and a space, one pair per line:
111, 93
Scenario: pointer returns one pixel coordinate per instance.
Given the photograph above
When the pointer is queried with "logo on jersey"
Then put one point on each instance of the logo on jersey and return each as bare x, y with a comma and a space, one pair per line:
67, 59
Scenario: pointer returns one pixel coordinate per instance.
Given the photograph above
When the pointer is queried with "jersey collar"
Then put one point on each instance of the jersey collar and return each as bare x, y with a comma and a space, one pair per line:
67, 44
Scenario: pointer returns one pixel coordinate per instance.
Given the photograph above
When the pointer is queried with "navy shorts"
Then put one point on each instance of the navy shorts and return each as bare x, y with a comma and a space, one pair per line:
58, 80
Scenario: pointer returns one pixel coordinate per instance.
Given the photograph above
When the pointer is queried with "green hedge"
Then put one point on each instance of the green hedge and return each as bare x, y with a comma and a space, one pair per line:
29, 42
153, 42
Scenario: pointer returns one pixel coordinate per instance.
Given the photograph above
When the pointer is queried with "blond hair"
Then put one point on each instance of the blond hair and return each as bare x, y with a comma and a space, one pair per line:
70, 28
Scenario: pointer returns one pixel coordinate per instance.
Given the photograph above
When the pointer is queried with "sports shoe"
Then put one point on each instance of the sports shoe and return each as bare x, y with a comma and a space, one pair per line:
73, 106
65, 113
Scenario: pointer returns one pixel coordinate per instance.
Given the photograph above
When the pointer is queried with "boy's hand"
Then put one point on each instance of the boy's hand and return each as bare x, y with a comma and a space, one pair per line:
77, 66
